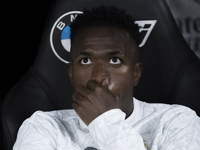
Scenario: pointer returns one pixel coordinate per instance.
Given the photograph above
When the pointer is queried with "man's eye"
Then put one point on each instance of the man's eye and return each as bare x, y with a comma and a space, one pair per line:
115, 61
85, 61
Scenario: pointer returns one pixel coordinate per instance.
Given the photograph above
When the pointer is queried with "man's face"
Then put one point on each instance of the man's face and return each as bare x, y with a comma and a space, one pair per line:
108, 56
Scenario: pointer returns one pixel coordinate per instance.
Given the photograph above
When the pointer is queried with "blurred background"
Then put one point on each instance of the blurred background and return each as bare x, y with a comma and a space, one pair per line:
21, 34
187, 16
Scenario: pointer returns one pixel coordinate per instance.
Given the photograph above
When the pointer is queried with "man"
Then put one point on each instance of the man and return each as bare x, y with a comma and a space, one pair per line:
104, 70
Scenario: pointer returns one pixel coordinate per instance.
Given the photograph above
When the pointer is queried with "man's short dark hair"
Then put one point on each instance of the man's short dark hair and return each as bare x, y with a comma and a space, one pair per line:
106, 16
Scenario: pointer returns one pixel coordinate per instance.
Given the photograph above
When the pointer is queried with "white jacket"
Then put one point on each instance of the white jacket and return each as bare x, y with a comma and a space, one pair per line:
150, 126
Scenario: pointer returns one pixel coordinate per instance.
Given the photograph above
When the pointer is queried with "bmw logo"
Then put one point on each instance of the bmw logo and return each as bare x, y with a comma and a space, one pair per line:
60, 36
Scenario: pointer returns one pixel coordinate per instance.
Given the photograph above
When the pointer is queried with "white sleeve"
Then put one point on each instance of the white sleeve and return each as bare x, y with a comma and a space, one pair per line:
41, 132
112, 133
182, 132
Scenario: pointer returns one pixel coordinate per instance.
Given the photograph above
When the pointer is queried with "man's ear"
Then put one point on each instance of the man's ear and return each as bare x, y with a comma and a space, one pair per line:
137, 72
70, 72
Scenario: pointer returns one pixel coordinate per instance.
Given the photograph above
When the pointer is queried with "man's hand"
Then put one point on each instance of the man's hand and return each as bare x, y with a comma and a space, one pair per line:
93, 100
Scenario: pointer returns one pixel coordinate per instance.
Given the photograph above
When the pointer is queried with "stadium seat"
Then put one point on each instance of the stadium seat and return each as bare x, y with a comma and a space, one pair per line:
171, 71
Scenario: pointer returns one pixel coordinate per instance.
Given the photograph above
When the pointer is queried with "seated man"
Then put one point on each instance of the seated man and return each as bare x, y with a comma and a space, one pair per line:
104, 70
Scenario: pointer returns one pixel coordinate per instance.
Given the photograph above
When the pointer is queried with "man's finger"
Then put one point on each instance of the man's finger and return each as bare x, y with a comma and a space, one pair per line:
92, 84
77, 98
75, 105
82, 90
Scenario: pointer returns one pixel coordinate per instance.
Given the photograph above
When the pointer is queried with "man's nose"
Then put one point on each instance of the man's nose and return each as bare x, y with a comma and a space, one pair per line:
100, 74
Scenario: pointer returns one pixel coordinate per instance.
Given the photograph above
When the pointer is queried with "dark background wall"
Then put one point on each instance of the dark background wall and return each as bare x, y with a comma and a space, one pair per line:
22, 25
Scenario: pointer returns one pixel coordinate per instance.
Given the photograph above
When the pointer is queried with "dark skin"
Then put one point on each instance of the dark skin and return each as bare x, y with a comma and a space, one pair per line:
104, 70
